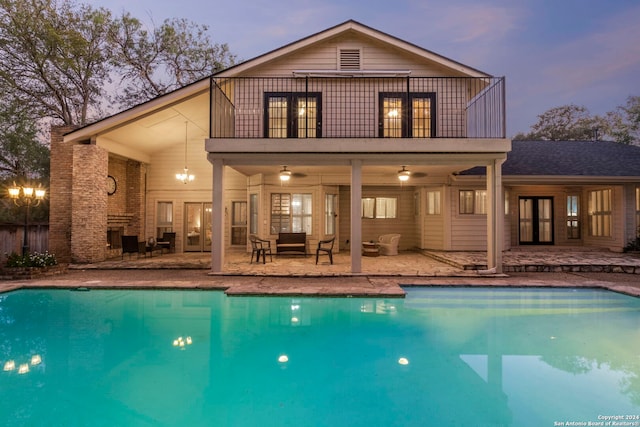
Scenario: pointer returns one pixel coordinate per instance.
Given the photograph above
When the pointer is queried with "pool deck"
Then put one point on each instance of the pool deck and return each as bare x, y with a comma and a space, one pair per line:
382, 276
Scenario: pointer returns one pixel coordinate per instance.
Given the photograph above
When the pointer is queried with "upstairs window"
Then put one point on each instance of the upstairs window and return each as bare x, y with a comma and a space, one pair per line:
403, 115
292, 115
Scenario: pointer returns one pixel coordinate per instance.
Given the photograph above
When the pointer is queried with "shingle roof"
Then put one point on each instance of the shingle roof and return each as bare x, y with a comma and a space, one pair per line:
569, 158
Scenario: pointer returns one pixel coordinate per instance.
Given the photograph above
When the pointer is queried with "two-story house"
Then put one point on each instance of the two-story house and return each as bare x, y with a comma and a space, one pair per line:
312, 137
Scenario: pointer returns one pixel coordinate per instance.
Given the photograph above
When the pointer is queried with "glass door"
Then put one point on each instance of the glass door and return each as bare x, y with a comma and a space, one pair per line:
536, 220
238, 223
197, 233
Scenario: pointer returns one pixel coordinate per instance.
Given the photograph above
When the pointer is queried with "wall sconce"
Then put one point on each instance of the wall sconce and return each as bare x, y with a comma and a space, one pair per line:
403, 175
285, 175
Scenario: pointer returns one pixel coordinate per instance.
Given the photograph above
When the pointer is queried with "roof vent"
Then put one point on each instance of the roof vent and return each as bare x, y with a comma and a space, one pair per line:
349, 59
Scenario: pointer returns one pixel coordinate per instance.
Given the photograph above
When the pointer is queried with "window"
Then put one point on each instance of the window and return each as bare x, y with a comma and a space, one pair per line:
330, 213
292, 115
433, 203
405, 115
473, 202
600, 213
291, 213
164, 218
379, 207
573, 217
638, 212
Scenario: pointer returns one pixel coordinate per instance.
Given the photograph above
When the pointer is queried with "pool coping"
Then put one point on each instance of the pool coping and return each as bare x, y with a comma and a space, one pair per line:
354, 286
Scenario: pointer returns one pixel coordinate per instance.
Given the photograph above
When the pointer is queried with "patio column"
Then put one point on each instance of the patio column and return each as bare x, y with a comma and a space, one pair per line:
217, 217
356, 217
495, 215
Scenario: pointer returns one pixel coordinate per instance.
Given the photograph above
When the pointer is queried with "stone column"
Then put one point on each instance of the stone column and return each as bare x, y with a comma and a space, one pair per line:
89, 204
59, 194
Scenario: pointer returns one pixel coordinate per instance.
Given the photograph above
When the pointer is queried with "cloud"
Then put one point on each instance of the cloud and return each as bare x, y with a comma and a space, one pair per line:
606, 54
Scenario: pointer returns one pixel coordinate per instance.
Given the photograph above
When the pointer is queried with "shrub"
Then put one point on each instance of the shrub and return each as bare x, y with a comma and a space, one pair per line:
32, 259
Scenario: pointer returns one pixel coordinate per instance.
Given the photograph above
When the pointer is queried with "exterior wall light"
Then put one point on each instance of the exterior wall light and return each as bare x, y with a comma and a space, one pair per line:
26, 197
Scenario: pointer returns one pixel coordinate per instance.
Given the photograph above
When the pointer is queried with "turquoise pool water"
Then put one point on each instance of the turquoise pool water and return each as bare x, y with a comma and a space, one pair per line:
440, 357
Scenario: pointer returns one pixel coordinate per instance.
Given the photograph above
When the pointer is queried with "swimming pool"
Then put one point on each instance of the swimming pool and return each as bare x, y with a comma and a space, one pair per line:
442, 356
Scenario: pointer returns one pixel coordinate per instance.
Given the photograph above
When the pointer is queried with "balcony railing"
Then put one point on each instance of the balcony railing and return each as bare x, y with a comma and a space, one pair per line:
357, 107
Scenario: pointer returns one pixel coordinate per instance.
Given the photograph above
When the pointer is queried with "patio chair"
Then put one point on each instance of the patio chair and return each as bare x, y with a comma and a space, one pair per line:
388, 244
260, 247
325, 246
167, 242
130, 246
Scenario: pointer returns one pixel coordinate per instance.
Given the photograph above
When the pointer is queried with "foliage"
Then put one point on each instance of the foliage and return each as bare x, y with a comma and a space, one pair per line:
22, 155
166, 58
625, 121
575, 123
565, 123
58, 58
54, 57
33, 259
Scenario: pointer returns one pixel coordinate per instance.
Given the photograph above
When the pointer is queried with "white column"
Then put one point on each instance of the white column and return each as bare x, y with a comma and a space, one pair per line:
217, 217
356, 216
495, 215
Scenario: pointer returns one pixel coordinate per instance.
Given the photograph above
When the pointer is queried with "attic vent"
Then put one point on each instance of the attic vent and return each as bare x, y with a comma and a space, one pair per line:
349, 59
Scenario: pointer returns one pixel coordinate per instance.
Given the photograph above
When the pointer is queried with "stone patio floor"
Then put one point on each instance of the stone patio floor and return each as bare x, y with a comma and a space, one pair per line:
383, 276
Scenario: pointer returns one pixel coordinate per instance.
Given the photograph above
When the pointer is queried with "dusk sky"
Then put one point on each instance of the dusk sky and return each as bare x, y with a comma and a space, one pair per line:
552, 52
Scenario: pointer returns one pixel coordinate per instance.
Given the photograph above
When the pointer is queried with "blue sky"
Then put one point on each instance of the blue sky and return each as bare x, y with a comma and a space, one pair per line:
552, 52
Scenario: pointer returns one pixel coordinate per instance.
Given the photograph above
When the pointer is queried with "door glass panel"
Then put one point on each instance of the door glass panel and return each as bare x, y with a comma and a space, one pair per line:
526, 220
193, 226
197, 234
238, 223
330, 213
544, 221
392, 117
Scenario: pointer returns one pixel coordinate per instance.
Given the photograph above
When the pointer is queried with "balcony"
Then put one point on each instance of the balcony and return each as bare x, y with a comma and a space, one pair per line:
364, 108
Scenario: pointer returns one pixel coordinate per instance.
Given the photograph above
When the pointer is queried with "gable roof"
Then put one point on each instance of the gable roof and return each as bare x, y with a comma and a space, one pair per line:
569, 158
188, 102
361, 29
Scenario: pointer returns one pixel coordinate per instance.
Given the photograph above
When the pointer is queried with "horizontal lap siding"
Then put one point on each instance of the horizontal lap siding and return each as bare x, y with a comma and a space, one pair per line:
434, 233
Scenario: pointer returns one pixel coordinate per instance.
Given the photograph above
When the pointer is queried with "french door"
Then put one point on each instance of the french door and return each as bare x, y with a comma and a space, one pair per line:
239, 223
197, 233
536, 220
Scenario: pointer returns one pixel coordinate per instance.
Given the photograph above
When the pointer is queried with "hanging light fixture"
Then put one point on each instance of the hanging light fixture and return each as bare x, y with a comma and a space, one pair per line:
285, 175
403, 175
185, 177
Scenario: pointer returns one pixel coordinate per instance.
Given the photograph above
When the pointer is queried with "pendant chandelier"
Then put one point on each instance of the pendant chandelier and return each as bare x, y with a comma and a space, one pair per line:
185, 177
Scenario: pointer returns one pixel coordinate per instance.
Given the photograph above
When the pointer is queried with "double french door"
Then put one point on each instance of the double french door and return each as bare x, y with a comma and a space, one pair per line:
536, 220
197, 233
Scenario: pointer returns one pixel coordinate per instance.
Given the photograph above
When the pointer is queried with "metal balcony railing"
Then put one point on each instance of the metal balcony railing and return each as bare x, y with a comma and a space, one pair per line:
357, 107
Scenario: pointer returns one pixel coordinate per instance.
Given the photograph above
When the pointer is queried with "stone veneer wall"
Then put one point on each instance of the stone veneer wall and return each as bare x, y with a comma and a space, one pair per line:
60, 189
89, 203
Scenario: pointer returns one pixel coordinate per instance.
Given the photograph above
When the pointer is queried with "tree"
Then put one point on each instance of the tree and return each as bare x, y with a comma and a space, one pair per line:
58, 58
624, 122
168, 57
54, 57
566, 123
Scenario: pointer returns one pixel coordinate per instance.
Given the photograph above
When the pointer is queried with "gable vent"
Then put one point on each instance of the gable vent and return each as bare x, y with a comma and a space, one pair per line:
349, 59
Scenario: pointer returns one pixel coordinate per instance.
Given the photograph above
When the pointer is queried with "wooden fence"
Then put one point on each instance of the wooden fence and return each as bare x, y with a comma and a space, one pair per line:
11, 236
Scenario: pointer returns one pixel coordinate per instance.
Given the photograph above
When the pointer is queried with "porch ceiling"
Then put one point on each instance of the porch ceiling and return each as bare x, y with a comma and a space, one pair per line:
340, 175
139, 136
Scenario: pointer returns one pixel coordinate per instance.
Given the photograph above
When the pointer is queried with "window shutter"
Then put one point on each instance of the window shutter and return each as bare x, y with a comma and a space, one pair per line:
349, 59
